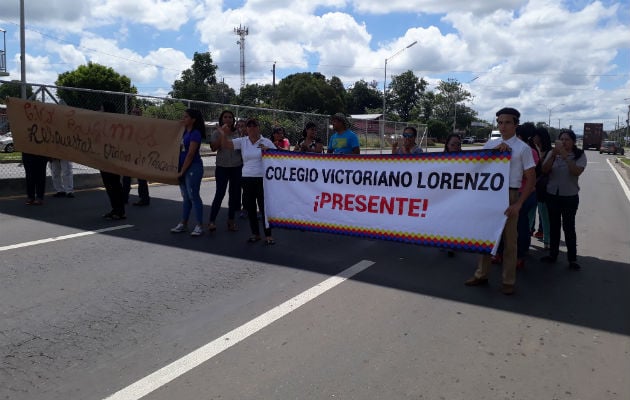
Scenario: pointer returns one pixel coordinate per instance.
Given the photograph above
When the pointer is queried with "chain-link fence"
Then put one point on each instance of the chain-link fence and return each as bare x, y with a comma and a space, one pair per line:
372, 132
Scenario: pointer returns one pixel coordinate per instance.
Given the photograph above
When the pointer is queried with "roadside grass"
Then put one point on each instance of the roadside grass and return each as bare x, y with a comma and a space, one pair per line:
16, 156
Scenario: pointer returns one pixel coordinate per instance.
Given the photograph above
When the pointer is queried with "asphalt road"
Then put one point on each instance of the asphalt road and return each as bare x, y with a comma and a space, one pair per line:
86, 314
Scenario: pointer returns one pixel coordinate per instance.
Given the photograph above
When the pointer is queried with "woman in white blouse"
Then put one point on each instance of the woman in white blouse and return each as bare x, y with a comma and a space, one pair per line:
251, 147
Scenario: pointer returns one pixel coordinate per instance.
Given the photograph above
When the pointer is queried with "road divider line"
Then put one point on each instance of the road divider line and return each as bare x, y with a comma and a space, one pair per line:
179, 367
65, 237
620, 179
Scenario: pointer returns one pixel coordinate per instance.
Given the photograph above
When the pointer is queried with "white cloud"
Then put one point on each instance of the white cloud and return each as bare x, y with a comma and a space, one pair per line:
434, 6
530, 54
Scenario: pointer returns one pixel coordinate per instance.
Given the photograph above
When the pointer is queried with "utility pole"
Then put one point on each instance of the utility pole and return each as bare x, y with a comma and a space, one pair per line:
242, 31
22, 52
273, 90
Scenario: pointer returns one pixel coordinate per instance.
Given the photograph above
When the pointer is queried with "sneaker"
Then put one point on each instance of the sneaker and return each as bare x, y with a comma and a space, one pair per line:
70, 195
198, 231
59, 194
179, 228
539, 235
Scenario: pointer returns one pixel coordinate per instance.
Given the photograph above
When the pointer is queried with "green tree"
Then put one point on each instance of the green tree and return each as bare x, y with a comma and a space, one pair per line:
172, 110
196, 82
221, 92
450, 94
438, 129
405, 93
255, 95
14, 89
310, 92
97, 77
363, 97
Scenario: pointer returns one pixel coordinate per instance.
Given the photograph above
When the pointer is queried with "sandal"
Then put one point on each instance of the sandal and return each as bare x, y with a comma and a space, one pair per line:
269, 242
253, 239
232, 227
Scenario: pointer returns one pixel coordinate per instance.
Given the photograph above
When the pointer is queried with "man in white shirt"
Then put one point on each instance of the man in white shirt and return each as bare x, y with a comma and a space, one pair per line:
521, 165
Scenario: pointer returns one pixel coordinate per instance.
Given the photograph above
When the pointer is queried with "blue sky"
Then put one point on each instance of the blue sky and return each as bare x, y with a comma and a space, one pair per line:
570, 57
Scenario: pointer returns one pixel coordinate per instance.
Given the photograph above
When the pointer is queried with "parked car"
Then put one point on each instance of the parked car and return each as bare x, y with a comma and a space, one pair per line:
469, 140
6, 143
495, 135
610, 147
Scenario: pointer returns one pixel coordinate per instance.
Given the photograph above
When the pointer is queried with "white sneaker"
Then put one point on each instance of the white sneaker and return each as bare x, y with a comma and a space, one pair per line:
198, 231
179, 228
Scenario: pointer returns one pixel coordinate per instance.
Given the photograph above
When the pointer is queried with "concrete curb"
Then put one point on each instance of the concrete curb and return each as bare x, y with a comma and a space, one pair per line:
17, 186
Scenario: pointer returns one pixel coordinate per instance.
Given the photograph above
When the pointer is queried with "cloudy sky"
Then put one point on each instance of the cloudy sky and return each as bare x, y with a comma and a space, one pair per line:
566, 59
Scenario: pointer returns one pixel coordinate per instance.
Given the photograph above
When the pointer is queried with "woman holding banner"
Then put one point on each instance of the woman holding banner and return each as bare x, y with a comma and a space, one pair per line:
310, 142
251, 148
191, 170
409, 145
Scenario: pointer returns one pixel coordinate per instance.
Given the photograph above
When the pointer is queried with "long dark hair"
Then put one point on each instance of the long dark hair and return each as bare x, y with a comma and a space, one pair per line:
545, 139
577, 152
233, 126
199, 123
309, 124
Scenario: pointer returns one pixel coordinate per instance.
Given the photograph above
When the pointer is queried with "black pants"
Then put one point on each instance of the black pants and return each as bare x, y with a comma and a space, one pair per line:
253, 191
114, 189
35, 171
227, 176
143, 189
562, 210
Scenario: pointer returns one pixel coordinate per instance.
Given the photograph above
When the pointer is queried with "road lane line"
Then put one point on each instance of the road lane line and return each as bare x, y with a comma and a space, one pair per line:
620, 179
179, 367
57, 238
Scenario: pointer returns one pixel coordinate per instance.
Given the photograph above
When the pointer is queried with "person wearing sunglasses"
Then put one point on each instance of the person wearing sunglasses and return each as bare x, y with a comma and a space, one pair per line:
409, 145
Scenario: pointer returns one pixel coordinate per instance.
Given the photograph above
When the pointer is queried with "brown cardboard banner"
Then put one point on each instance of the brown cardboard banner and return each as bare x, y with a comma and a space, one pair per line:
129, 145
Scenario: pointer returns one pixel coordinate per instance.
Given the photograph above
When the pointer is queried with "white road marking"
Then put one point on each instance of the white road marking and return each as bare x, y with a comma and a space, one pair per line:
179, 367
57, 238
620, 179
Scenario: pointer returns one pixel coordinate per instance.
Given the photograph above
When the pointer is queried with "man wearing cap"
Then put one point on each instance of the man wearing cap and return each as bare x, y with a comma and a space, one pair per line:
521, 166
343, 141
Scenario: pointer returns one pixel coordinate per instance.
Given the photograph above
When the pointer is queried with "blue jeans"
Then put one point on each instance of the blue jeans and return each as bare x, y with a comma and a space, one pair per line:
189, 186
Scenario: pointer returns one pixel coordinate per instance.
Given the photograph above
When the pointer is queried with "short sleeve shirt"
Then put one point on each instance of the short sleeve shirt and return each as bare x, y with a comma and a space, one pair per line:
343, 143
252, 155
561, 181
227, 157
521, 159
187, 138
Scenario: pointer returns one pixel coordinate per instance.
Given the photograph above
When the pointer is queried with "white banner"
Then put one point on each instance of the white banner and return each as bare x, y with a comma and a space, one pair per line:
449, 200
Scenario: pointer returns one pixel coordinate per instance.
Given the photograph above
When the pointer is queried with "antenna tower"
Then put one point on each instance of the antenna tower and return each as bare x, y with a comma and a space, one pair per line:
242, 31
